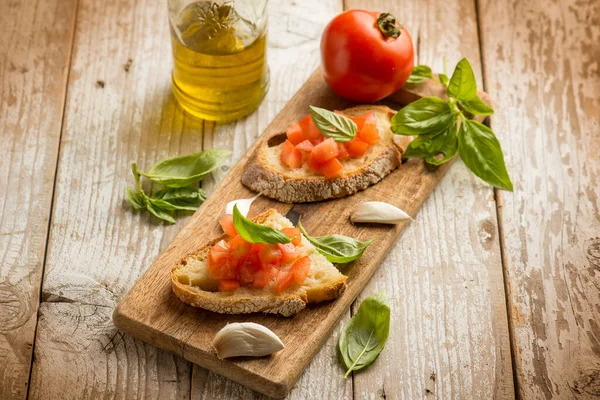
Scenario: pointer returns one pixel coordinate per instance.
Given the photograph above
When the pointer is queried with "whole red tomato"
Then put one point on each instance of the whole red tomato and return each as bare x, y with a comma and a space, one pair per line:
366, 55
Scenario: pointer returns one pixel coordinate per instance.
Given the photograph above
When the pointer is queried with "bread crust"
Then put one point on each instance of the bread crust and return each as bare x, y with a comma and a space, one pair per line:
261, 176
250, 302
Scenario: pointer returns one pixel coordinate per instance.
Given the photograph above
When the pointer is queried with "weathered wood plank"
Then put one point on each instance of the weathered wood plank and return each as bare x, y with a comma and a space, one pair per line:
448, 335
114, 115
293, 56
541, 65
97, 254
35, 47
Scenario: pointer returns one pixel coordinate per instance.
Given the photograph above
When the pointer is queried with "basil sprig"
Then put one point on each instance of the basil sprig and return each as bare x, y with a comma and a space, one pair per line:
443, 129
185, 170
362, 339
332, 125
420, 74
178, 175
255, 233
337, 249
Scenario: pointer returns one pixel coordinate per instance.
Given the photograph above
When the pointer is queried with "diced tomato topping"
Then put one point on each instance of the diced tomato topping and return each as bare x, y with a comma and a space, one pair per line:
312, 164
356, 147
226, 223
288, 251
228, 285
308, 128
218, 254
369, 133
247, 271
257, 247
239, 248
293, 233
324, 151
300, 269
263, 276
316, 141
331, 168
342, 152
359, 121
290, 155
294, 133
270, 255
284, 280
305, 145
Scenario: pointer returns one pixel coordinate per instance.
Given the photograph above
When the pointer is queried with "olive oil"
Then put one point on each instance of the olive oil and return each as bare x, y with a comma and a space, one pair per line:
220, 71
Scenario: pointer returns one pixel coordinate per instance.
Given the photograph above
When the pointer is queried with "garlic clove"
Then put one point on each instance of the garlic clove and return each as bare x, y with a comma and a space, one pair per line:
378, 212
246, 339
243, 205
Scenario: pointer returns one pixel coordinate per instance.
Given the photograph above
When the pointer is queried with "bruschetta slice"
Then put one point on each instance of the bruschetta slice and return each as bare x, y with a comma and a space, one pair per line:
294, 167
201, 280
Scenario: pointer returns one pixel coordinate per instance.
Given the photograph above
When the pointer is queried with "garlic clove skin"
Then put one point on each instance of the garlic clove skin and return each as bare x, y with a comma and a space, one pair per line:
378, 212
243, 205
246, 339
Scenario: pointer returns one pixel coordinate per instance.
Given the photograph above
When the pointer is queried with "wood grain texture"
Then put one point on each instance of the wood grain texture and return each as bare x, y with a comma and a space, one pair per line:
293, 55
151, 311
98, 247
448, 336
97, 253
35, 47
542, 66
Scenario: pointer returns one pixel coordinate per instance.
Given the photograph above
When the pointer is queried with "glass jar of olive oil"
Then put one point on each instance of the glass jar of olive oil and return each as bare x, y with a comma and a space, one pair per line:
220, 71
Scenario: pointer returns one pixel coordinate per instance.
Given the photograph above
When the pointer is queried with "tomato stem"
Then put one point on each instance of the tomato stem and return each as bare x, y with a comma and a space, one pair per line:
387, 25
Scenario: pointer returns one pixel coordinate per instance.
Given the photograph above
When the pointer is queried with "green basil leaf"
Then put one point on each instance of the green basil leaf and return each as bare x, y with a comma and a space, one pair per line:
425, 116
186, 198
443, 79
462, 85
254, 233
363, 337
337, 249
159, 212
187, 169
430, 147
481, 152
332, 125
136, 199
420, 74
475, 106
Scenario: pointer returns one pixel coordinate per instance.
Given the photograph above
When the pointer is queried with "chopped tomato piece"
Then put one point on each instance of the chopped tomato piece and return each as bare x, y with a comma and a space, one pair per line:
342, 152
312, 163
369, 133
290, 155
316, 141
218, 254
332, 168
294, 133
359, 121
257, 247
226, 223
288, 251
284, 279
225, 270
239, 248
308, 128
305, 145
270, 255
247, 271
356, 147
228, 285
300, 269
294, 234
324, 151
263, 276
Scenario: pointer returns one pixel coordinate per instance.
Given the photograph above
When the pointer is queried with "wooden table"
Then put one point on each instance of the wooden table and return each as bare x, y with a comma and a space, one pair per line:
493, 294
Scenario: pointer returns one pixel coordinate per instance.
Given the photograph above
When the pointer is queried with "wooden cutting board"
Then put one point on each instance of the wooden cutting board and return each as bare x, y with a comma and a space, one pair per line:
152, 313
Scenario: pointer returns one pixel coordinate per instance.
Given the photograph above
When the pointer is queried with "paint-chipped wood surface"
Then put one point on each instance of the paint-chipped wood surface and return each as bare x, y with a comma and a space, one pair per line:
538, 59
542, 64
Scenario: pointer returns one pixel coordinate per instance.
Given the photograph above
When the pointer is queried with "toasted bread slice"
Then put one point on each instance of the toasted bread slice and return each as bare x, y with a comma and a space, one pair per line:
265, 173
192, 283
